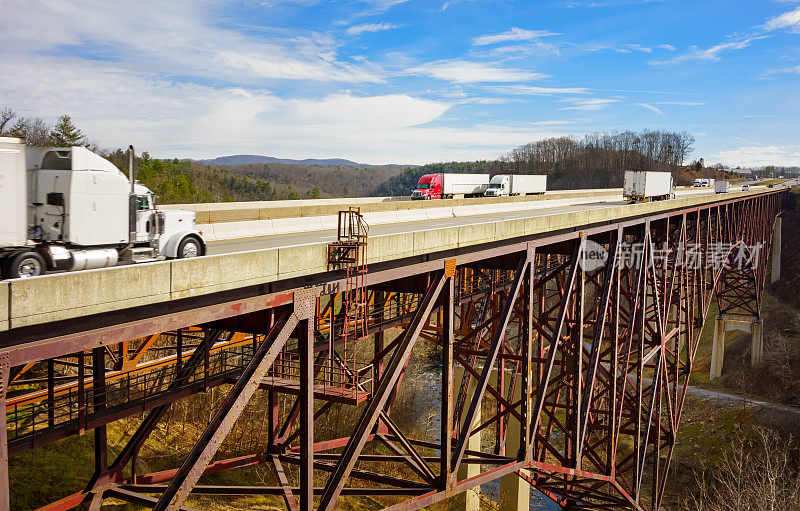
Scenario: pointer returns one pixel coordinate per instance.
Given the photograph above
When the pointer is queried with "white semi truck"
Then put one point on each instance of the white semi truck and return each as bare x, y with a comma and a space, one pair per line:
66, 208
704, 182
641, 186
516, 184
450, 186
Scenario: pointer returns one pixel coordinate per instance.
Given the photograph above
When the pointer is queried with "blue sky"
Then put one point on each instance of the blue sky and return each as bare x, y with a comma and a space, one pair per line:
407, 81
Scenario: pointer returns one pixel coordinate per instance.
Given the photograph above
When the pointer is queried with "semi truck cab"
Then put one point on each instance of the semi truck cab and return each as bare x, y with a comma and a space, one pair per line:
67, 208
498, 186
428, 187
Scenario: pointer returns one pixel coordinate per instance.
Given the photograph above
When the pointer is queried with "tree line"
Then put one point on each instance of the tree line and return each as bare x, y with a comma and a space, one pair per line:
594, 161
598, 160
36, 132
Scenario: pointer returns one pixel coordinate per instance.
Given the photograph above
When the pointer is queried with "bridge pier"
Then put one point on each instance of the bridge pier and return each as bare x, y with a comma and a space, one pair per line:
469, 500
515, 493
775, 274
723, 324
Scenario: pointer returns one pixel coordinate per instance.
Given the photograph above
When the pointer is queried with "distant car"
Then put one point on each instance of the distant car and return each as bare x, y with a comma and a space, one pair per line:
745, 188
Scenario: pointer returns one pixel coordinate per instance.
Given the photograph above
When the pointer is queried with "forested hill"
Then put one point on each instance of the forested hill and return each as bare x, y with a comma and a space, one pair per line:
183, 181
244, 159
594, 161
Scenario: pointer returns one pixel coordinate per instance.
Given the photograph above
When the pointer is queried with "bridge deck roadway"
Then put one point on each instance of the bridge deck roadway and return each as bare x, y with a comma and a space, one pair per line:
256, 261
328, 235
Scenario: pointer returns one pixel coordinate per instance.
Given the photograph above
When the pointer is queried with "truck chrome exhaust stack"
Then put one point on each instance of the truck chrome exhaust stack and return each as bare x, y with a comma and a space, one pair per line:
132, 202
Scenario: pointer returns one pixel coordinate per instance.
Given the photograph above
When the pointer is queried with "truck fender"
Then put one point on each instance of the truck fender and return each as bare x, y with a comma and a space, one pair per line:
170, 248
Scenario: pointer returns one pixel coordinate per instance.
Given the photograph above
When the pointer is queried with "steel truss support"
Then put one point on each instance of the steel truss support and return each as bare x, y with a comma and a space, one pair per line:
588, 361
380, 397
5, 377
231, 408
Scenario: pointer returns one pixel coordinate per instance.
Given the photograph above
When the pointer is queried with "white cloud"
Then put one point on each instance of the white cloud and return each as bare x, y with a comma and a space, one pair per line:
711, 53
464, 71
787, 20
678, 103
530, 90
783, 70
626, 48
514, 51
588, 103
757, 156
650, 107
639, 47
515, 34
183, 39
790, 19
370, 27
119, 106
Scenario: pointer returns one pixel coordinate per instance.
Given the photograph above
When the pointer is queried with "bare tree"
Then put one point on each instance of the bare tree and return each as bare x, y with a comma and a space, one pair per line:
34, 130
6, 116
764, 477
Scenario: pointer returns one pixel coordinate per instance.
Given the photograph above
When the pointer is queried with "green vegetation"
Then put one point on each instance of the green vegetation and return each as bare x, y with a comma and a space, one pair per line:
595, 161
183, 181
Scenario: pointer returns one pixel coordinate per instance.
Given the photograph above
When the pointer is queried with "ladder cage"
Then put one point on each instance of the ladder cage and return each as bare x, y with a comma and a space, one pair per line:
349, 253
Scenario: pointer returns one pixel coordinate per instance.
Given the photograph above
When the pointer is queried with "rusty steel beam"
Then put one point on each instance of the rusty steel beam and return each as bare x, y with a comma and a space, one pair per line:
5, 378
149, 423
192, 468
306, 347
488, 365
380, 397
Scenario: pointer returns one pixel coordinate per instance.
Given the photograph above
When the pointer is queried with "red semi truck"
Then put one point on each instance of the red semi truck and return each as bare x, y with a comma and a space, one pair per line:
447, 186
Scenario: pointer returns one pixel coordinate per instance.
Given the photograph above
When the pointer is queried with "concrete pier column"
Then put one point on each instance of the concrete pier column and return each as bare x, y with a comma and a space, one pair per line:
515, 493
755, 326
717, 348
776, 251
469, 500
757, 343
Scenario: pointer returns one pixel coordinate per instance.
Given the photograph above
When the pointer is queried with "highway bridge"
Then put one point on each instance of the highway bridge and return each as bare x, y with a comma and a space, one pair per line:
567, 325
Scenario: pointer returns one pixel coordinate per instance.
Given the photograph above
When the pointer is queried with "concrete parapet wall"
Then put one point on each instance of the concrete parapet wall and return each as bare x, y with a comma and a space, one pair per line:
74, 294
211, 274
432, 210
62, 296
269, 210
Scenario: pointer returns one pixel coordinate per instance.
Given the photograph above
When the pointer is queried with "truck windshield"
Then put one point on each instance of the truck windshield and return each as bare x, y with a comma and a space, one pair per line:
423, 186
494, 185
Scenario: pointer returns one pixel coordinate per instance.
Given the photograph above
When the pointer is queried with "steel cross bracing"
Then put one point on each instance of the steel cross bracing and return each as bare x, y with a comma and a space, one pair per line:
587, 364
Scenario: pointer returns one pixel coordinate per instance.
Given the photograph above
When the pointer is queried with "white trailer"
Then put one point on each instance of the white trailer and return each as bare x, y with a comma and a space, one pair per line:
643, 186
722, 187
516, 184
66, 208
467, 185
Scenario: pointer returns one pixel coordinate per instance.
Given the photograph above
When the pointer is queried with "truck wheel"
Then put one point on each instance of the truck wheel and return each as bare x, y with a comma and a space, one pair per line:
189, 246
24, 265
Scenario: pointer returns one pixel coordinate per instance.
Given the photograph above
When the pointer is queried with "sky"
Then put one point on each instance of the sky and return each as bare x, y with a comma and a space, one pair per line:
407, 81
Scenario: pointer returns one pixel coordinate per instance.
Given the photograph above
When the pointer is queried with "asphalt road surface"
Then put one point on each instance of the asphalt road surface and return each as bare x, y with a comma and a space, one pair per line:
326, 236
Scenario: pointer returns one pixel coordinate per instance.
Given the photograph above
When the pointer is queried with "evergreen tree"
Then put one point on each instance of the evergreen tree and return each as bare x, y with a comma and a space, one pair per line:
66, 134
